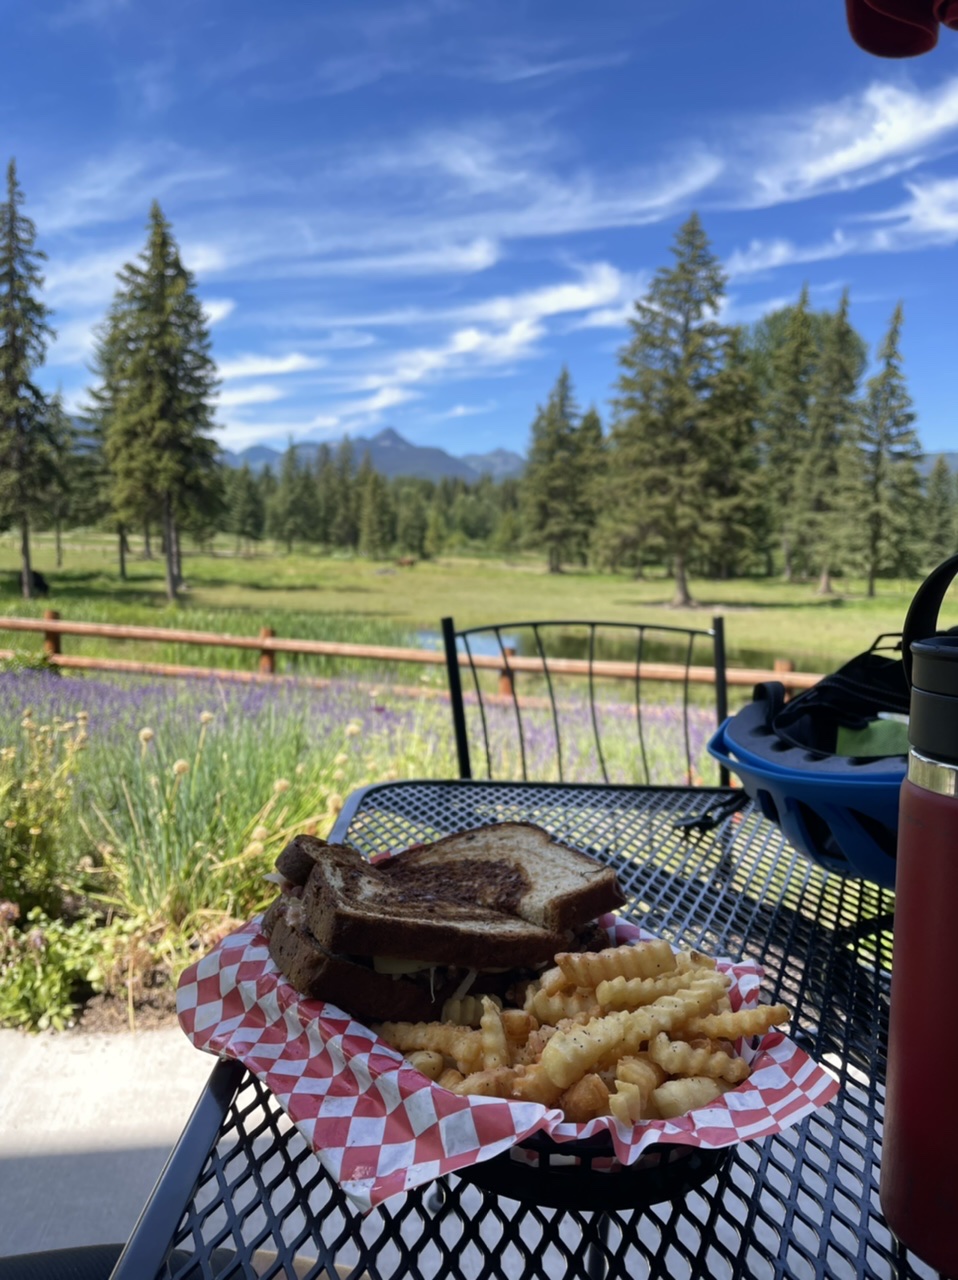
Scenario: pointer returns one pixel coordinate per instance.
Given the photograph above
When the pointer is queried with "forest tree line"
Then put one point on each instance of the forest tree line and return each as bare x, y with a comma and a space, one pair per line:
728, 450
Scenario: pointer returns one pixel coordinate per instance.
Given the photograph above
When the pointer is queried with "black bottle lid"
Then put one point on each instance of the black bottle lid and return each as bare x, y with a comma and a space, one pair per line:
933, 722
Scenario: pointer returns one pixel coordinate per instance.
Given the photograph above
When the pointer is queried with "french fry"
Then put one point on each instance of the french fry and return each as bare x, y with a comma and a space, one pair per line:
495, 1046
426, 1061
638, 960
518, 1026
678, 1058
533, 1084
570, 1054
536, 1041
465, 1012
462, 1045
676, 1097
626, 1103
693, 960
633, 993
641, 1071
564, 1004
553, 980
587, 1098
497, 1083
747, 1022
636, 1032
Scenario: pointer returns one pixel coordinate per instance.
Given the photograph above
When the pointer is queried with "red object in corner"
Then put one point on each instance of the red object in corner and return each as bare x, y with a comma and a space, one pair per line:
899, 28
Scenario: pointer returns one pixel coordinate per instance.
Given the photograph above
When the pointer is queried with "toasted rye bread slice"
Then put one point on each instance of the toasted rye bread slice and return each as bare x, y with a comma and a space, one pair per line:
518, 868
302, 853
357, 989
357, 909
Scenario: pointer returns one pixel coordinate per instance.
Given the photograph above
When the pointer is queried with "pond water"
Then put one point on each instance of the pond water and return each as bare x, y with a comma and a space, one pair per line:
622, 648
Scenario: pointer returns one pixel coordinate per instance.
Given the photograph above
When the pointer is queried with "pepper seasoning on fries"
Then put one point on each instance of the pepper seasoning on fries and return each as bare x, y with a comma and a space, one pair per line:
637, 1032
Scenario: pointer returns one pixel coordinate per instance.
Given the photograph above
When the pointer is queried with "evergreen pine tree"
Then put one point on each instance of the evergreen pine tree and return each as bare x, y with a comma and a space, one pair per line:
889, 494
27, 451
821, 500
437, 530
326, 495
344, 529
89, 479
411, 522
291, 515
785, 432
58, 498
375, 512
940, 512
267, 484
552, 490
245, 503
126, 492
590, 466
660, 445
159, 380
733, 529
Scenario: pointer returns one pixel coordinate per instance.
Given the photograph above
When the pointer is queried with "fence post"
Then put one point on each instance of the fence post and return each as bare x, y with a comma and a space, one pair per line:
507, 677
783, 666
267, 658
51, 639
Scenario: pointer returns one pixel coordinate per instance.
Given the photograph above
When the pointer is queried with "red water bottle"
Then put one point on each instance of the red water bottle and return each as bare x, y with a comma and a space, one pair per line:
919, 1167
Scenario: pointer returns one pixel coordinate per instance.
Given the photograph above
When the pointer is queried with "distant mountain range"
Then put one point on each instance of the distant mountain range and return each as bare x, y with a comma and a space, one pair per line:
391, 455
929, 460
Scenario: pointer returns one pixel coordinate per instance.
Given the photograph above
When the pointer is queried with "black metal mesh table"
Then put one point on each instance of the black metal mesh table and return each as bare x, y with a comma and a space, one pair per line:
243, 1194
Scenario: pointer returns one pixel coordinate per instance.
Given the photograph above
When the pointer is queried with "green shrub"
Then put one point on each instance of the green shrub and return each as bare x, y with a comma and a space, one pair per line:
43, 968
37, 775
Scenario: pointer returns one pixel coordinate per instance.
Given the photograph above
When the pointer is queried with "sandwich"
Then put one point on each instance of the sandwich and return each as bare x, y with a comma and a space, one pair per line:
471, 913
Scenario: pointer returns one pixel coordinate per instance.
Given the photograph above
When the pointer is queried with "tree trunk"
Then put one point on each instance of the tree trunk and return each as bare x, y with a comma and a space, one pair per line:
555, 560
147, 547
26, 568
871, 582
787, 560
177, 553
171, 580
121, 544
58, 534
681, 597
825, 583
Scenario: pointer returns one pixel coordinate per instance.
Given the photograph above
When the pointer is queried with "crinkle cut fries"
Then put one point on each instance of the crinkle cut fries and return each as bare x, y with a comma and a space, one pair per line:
638, 1032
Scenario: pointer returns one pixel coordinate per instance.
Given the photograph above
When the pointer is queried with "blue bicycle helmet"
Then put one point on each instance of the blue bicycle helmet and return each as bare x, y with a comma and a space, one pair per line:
842, 811
839, 809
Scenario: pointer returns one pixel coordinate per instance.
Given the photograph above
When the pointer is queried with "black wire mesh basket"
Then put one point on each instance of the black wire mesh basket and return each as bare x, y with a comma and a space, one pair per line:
584, 1174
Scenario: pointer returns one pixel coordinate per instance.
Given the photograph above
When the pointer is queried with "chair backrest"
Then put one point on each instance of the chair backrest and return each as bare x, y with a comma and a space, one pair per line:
587, 701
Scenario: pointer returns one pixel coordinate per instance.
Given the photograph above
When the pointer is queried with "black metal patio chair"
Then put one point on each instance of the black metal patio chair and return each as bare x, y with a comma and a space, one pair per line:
537, 700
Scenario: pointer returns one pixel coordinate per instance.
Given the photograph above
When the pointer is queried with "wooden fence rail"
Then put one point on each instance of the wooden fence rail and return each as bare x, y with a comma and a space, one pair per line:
52, 627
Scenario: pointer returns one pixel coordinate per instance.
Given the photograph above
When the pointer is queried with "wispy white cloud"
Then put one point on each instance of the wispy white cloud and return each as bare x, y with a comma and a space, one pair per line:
856, 141
258, 393
74, 342
87, 278
121, 185
516, 68
218, 309
464, 411
442, 259
75, 12
260, 366
927, 219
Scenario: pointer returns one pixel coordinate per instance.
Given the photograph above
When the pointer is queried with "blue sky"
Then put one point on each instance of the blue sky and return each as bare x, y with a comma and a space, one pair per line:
412, 212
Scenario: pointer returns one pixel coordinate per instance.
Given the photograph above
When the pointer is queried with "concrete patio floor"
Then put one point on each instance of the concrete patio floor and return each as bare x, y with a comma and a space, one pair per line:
86, 1124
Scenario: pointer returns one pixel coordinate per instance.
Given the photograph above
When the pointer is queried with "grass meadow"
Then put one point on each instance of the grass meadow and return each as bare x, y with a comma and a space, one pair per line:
138, 816
320, 597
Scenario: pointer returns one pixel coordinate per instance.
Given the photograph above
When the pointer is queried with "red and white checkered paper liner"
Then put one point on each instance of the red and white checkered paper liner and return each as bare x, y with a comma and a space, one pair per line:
380, 1128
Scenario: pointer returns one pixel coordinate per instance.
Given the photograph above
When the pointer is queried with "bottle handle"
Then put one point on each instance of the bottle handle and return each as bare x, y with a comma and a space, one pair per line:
921, 621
